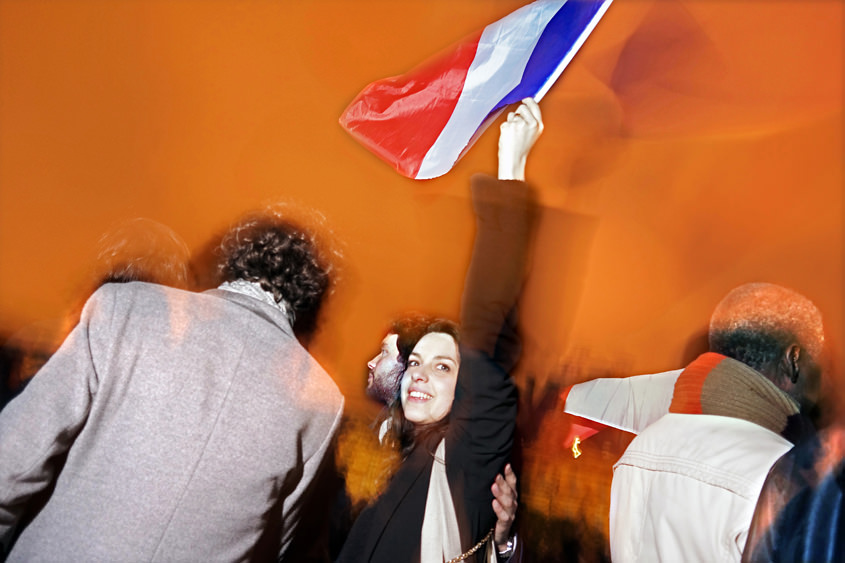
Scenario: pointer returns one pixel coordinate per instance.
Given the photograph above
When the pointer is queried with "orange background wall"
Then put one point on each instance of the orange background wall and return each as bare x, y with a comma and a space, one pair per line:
691, 146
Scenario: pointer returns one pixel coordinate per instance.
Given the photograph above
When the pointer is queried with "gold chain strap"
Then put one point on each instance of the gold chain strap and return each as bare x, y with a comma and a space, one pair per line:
473, 549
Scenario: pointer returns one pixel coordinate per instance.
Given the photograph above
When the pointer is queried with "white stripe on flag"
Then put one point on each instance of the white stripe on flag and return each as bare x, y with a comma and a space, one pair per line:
507, 43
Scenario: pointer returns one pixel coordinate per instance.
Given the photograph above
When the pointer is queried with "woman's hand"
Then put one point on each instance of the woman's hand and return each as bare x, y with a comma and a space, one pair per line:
504, 505
516, 137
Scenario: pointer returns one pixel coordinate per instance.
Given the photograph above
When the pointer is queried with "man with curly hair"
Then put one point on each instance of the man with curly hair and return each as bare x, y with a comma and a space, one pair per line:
176, 426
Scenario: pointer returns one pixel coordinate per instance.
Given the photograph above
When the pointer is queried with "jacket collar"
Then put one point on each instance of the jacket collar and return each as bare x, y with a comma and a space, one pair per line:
263, 310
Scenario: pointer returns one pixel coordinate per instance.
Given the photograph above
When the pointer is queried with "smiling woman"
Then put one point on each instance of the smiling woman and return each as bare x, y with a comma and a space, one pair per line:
456, 412
428, 386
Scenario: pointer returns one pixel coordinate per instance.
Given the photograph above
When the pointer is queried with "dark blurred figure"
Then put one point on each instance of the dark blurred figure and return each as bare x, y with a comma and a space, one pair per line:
143, 250
800, 515
190, 424
138, 249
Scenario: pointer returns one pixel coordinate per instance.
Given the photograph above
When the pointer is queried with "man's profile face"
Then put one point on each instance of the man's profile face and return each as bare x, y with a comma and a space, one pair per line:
385, 371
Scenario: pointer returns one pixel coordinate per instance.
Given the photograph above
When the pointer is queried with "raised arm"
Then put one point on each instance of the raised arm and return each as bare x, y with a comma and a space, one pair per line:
484, 411
517, 136
505, 212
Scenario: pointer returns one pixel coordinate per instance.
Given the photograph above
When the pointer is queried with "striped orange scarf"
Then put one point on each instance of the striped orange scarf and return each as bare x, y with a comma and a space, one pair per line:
718, 385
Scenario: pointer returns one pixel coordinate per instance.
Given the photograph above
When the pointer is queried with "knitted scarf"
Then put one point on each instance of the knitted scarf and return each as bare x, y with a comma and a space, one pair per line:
718, 385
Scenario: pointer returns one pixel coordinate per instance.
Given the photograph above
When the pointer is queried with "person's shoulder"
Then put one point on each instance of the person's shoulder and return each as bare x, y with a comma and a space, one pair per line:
118, 300
691, 429
136, 290
321, 383
109, 296
723, 451
309, 382
311, 392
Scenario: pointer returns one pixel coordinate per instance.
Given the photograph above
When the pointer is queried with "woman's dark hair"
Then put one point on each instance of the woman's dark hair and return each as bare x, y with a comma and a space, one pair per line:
282, 256
409, 331
410, 328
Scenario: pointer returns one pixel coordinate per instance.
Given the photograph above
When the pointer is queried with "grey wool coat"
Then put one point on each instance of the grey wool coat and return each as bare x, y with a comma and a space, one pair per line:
170, 426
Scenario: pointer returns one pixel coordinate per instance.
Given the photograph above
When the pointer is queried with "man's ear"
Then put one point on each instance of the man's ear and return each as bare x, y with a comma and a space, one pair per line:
790, 362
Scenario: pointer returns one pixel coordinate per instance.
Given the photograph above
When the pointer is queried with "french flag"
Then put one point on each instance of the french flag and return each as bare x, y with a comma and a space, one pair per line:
422, 122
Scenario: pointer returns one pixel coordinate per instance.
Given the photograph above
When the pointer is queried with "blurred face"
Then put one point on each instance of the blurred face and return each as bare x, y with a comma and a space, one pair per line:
385, 371
428, 387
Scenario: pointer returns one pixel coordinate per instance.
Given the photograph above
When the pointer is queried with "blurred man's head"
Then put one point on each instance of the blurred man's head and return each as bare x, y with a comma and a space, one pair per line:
384, 371
142, 249
774, 330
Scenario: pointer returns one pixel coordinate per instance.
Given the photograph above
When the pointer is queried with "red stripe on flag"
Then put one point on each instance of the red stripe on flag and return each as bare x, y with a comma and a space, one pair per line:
399, 118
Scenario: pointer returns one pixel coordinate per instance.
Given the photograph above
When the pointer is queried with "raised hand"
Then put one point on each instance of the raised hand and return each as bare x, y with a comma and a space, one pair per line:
516, 137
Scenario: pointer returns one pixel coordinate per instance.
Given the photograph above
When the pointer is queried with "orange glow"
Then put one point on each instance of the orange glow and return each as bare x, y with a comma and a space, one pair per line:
690, 147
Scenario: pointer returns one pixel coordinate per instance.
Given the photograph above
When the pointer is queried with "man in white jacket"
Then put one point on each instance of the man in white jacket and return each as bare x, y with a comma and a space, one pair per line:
686, 487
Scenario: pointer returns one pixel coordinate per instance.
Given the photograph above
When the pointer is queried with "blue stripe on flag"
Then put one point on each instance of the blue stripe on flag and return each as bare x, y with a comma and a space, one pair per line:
559, 37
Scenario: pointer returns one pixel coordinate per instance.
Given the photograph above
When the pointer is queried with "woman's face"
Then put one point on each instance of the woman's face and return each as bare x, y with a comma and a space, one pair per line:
428, 386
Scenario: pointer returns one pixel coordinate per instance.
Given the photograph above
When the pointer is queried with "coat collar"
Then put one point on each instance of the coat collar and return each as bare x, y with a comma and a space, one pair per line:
261, 309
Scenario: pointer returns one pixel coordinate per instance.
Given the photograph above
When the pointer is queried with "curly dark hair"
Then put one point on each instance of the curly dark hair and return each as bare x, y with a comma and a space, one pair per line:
282, 256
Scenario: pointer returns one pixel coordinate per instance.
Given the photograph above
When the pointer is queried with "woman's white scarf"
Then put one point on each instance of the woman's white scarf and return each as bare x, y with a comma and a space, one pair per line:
441, 539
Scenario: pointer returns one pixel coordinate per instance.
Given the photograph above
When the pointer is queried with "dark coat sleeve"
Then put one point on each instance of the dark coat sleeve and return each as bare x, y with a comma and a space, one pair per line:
483, 417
